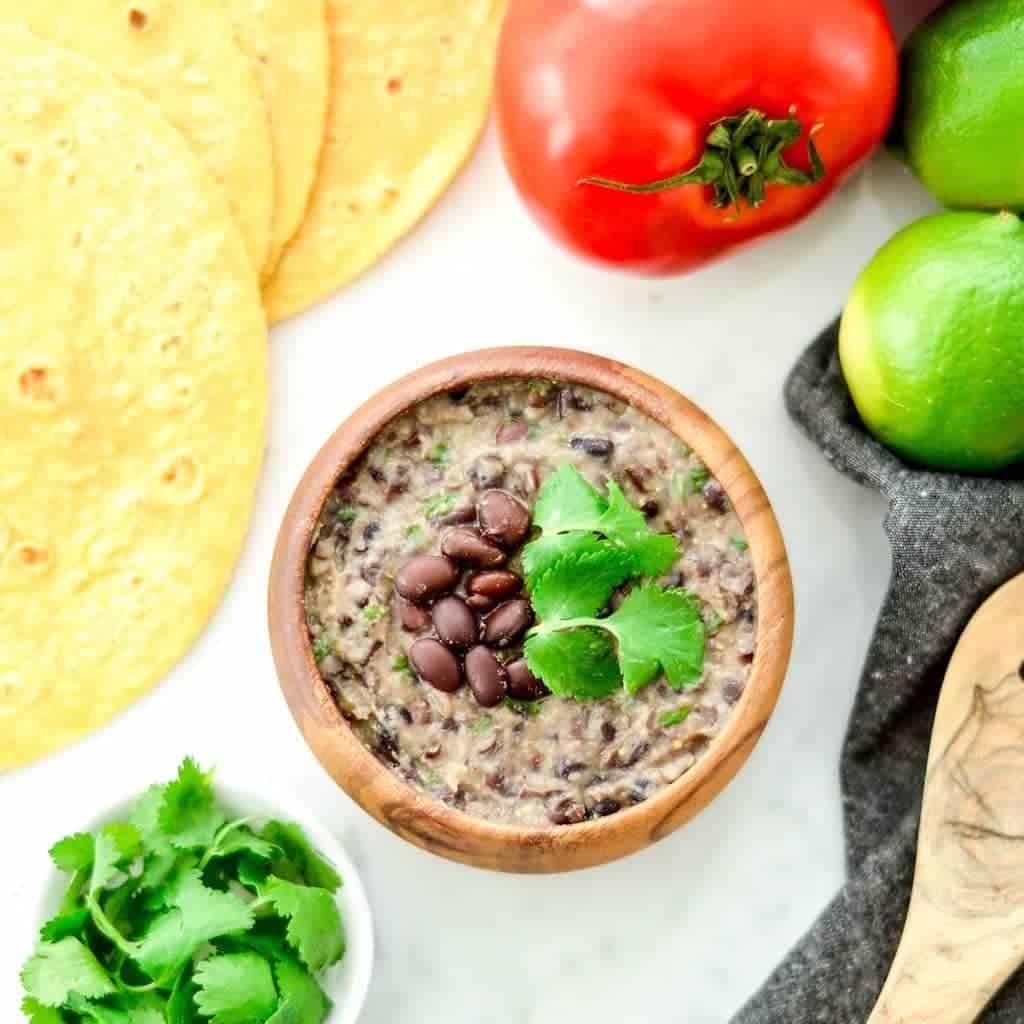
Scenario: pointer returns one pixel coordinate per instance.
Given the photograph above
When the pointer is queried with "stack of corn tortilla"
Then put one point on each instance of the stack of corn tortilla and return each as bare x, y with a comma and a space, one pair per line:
174, 174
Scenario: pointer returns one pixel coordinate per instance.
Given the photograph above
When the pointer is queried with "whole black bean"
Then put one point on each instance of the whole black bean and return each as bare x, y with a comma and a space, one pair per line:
650, 509
522, 683
486, 676
508, 623
497, 585
608, 732
503, 519
413, 619
599, 447
486, 471
481, 604
455, 622
465, 545
605, 807
425, 577
436, 665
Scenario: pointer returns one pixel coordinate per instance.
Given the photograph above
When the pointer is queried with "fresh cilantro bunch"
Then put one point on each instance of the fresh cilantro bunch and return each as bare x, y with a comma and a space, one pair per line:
180, 916
590, 545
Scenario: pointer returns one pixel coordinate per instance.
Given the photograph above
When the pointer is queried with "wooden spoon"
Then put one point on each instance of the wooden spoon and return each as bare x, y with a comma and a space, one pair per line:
964, 934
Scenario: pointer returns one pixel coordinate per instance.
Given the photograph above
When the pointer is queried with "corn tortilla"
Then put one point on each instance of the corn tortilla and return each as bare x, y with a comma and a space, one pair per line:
185, 57
287, 41
410, 90
133, 396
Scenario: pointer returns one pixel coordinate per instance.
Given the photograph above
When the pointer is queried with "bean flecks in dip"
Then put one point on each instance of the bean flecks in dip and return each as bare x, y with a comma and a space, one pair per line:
409, 559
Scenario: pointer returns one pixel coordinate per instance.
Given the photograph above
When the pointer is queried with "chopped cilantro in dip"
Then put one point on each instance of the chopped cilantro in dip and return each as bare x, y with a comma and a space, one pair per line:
373, 612
321, 648
739, 543
440, 505
675, 717
347, 514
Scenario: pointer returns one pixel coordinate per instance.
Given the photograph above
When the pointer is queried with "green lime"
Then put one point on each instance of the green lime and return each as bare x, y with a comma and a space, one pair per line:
932, 342
961, 120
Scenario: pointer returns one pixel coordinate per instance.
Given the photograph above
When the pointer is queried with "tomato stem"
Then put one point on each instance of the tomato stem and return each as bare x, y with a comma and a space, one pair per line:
744, 153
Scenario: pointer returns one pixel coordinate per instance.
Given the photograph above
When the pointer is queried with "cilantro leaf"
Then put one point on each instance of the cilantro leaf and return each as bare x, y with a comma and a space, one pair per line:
675, 717
439, 505
541, 554
567, 502
115, 844
57, 969
302, 1000
197, 915
145, 815
63, 925
240, 839
189, 815
158, 856
658, 630
655, 553
235, 988
581, 585
314, 924
321, 647
39, 1014
252, 873
312, 867
577, 663
739, 543
124, 1008
73, 853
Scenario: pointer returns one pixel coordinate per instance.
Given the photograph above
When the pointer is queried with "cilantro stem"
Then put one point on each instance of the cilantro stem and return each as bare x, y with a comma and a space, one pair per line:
214, 849
107, 927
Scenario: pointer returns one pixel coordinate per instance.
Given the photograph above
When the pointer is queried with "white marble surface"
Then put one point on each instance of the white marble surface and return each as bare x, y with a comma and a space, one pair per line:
688, 929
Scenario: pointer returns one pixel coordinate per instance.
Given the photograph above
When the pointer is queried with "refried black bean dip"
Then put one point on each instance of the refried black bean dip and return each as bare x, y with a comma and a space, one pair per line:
532, 601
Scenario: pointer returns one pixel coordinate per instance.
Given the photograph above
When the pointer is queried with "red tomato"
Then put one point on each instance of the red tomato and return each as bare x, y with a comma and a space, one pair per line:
628, 90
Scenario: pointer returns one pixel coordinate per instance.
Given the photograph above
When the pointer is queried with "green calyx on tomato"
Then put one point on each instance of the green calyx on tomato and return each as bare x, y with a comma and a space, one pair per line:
744, 154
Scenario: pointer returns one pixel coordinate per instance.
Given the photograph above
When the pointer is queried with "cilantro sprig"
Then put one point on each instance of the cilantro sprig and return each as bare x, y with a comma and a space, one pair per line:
589, 547
179, 914
570, 511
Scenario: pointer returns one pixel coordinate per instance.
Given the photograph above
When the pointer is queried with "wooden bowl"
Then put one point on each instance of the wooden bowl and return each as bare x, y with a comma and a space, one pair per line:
429, 823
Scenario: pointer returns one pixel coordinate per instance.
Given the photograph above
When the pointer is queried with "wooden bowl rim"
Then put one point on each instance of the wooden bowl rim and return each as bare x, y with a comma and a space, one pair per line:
428, 822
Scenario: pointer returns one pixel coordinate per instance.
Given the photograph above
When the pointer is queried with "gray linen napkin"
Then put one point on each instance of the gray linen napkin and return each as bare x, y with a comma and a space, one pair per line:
954, 540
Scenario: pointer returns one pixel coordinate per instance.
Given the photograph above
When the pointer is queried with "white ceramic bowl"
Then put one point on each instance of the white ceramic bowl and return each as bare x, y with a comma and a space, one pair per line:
347, 983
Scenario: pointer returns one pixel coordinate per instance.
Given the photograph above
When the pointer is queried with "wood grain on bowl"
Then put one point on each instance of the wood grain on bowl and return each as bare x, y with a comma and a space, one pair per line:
429, 823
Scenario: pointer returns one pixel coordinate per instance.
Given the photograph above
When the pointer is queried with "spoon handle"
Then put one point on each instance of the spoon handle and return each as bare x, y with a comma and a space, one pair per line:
933, 982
